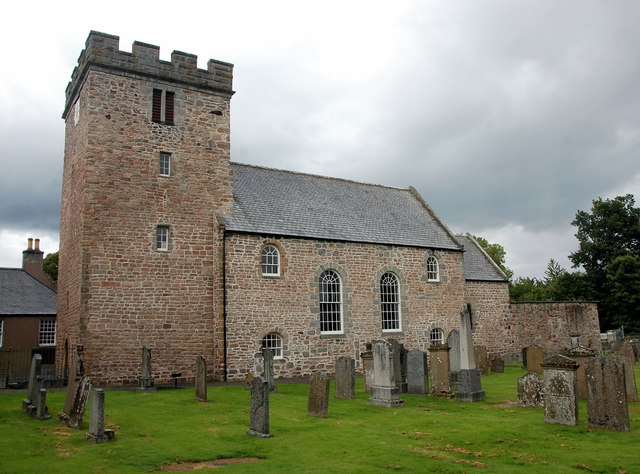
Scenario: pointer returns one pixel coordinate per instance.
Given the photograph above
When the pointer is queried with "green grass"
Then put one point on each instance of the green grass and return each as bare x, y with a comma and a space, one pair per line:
428, 434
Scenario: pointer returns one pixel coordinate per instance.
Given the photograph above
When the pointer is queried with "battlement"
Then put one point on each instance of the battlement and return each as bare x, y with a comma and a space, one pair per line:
102, 52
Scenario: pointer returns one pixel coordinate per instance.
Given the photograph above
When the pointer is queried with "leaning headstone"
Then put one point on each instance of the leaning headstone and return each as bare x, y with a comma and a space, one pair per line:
606, 394
399, 365
417, 372
469, 388
534, 357
318, 404
626, 351
384, 391
201, 379
267, 359
582, 356
367, 366
42, 412
345, 378
33, 386
482, 359
439, 368
560, 391
453, 341
497, 364
259, 414
73, 418
97, 433
145, 383
530, 389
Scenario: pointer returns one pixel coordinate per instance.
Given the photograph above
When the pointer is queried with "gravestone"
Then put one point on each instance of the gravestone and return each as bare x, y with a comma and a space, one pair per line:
267, 360
145, 382
582, 356
399, 365
530, 390
560, 391
533, 357
345, 377
318, 404
607, 394
259, 413
482, 359
384, 391
453, 341
33, 387
616, 346
635, 343
367, 366
201, 379
42, 412
73, 417
439, 368
97, 433
497, 364
417, 372
626, 351
469, 388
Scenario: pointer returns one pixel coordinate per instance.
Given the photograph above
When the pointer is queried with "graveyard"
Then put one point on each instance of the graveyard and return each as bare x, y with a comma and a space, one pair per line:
169, 429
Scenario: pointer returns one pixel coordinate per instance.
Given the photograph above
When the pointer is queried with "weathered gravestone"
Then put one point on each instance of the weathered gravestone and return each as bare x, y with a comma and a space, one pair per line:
635, 343
145, 382
606, 394
453, 341
367, 366
626, 351
439, 368
469, 388
560, 391
530, 390
399, 365
97, 433
34, 385
417, 372
201, 379
259, 413
482, 359
384, 391
267, 359
533, 357
72, 416
616, 346
318, 404
582, 356
345, 377
497, 364
42, 412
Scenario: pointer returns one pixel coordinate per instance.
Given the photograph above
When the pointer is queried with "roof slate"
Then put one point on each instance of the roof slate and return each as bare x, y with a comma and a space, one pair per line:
277, 202
21, 294
477, 264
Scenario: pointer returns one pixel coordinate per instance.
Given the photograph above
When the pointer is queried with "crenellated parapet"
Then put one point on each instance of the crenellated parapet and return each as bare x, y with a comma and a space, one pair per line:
102, 53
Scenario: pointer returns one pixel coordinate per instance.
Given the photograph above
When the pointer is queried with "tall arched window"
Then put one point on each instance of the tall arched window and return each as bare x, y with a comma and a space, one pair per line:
270, 261
433, 274
390, 302
330, 303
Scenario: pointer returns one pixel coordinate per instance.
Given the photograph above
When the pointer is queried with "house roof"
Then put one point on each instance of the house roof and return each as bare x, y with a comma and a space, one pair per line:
277, 202
21, 294
478, 265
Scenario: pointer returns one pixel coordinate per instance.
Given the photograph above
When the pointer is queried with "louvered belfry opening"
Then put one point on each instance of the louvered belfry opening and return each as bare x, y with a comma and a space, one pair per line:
163, 106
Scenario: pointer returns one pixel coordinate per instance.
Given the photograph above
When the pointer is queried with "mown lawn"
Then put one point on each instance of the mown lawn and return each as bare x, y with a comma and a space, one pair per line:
428, 434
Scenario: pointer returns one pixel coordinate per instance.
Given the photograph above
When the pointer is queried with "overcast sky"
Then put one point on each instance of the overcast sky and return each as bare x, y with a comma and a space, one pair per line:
507, 117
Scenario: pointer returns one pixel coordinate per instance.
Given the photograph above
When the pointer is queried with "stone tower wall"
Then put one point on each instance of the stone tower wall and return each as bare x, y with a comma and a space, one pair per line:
118, 293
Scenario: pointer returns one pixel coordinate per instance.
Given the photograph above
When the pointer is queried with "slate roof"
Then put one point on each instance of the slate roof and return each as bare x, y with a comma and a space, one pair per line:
478, 265
21, 294
276, 202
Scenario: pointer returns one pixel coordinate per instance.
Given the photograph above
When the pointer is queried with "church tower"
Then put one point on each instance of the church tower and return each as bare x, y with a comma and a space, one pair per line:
147, 176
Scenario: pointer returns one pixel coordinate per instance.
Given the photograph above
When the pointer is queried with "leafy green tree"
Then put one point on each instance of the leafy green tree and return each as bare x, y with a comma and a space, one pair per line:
497, 254
527, 289
623, 278
50, 265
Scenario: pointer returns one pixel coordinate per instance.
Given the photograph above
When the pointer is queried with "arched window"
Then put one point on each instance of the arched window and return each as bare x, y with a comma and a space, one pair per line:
433, 273
273, 341
270, 261
436, 336
330, 303
390, 302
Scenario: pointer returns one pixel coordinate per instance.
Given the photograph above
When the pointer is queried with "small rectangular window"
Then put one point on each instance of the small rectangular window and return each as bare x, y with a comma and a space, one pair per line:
47, 334
76, 112
162, 106
162, 238
165, 164
1, 331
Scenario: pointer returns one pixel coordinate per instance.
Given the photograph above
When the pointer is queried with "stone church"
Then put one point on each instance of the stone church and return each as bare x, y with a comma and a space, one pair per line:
167, 243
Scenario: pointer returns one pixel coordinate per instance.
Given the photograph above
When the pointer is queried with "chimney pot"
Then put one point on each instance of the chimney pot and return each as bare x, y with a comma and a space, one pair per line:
30, 243
37, 244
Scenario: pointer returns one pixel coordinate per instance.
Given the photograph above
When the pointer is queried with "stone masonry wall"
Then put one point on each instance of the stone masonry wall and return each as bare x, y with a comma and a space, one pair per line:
289, 304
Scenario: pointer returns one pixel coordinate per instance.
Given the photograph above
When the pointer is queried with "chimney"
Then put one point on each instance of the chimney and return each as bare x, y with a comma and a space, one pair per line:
32, 259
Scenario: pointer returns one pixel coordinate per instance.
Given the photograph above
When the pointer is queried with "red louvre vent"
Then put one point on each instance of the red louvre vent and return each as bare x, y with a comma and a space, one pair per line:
156, 114
168, 108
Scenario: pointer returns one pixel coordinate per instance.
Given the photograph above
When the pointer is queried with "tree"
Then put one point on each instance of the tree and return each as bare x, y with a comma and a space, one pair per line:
497, 254
50, 265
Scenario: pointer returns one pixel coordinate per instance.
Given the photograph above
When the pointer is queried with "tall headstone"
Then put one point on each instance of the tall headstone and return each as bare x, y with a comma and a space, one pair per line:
42, 412
439, 368
453, 341
367, 366
417, 372
560, 391
626, 351
267, 360
146, 383
33, 386
318, 404
259, 413
469, 388
607, 394
97, 432
384, 391
582, 356
482, 359
73, 417
201, 379
345, 377
533, 357
399, 365
530, 390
